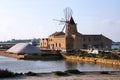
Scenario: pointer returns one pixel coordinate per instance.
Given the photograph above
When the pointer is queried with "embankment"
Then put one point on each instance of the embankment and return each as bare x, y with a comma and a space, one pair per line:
11, 55
95, 60
42, 56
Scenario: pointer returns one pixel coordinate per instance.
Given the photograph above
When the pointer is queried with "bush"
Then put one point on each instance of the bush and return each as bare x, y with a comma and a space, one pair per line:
6, 73
18, 74
73, 71
104, 72
31, 74
108, 56
59, 73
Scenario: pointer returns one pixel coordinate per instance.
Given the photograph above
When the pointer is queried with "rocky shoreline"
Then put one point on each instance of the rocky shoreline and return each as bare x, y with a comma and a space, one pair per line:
107, 75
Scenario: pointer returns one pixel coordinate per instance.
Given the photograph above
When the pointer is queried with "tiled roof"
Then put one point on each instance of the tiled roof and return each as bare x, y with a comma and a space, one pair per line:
58, 34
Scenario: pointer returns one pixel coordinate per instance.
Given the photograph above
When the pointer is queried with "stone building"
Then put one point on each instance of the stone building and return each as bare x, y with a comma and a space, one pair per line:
73, 40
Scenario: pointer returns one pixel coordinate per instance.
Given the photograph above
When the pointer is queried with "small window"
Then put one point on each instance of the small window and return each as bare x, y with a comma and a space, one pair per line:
84, 39
89, 39
56, 44
59, 44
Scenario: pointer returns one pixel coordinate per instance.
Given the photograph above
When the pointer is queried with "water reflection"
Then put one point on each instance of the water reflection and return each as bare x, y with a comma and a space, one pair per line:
70, 65
92, 66
109, 65
49, 66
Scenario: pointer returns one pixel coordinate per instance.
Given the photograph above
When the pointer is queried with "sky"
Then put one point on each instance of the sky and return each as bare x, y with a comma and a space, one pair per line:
26, 19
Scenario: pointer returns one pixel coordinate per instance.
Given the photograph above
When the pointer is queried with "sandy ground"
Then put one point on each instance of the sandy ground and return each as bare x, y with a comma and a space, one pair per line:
84, 76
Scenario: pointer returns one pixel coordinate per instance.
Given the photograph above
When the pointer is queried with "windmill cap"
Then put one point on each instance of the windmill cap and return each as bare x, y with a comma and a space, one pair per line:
71, 20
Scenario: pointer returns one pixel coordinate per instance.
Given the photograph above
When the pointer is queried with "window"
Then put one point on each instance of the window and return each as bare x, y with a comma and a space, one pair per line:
56, 44
84, 46
59, 44
84, 39
96, 39
89, 39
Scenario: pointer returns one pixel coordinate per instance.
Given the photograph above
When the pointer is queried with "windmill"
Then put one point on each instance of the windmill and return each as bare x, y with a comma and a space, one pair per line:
67, 15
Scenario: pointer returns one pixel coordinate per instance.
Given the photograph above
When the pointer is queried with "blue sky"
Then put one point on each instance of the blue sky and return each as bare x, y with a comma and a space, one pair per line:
24, 19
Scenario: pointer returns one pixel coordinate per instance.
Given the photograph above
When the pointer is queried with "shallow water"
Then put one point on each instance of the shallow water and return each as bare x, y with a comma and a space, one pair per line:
48, 66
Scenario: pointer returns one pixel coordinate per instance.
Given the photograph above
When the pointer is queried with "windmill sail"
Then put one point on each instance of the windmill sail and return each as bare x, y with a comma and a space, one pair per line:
67, 15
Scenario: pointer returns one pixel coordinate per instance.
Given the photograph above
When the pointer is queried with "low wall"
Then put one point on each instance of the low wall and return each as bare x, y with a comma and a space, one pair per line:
96, 60
11, 55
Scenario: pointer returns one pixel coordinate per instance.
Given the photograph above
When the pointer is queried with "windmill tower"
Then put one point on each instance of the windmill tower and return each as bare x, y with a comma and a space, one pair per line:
70, 28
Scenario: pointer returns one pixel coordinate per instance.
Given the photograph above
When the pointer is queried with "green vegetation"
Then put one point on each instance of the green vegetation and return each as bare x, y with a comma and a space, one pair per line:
67, 72
59, 73
104, 72
31, 74
6, 74
102, 54
44, 56
75, 71
108, 56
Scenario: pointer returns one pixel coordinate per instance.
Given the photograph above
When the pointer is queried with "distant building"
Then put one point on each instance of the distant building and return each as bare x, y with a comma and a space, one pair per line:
12, 42
73, 40
115, 46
